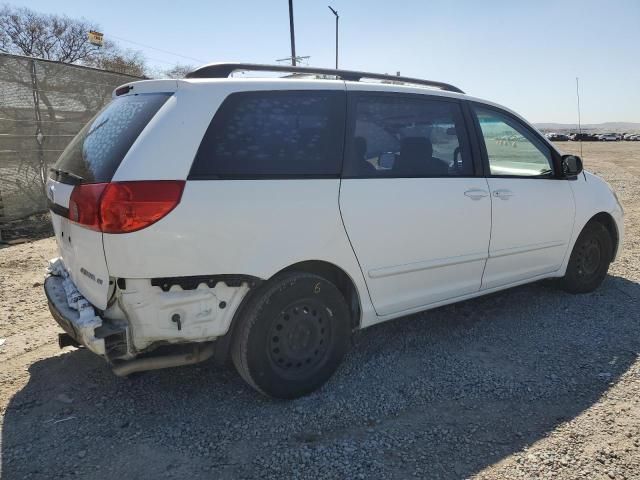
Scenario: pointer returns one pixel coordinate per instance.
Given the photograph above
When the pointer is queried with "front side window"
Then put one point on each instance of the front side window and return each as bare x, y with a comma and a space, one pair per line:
512, 149
406, 136
274, 134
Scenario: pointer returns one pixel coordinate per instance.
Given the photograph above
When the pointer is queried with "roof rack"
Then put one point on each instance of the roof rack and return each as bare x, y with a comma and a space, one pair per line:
223, 70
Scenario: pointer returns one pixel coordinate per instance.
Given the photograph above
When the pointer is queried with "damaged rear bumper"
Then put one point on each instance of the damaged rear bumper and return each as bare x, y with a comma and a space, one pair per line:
85, 327
80, 324
79, 319
181, 317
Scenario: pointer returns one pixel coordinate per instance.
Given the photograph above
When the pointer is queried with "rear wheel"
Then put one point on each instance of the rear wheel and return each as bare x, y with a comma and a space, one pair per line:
292, 335
590, 259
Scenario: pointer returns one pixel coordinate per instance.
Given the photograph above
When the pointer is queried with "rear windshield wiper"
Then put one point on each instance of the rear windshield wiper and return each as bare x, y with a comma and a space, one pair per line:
63, 175
93, 130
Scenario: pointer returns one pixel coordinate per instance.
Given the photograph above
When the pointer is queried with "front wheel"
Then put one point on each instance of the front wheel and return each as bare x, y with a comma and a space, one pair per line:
292, 335
590, 259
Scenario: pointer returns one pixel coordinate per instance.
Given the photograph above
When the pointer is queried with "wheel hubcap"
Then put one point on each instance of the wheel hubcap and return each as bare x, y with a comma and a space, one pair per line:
298, 337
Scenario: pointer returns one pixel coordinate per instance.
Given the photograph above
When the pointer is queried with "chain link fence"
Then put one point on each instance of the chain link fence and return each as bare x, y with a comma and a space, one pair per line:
43, 104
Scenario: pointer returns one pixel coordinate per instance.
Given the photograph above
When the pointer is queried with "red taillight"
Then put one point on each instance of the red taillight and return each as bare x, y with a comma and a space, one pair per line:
84, 204
130, 206
123, 207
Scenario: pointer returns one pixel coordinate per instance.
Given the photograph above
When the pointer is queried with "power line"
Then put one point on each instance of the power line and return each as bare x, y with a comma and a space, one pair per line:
158, 49
161, 61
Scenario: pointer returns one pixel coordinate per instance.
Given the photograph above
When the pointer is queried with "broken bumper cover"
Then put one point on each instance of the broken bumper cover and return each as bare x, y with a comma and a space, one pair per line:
71, 310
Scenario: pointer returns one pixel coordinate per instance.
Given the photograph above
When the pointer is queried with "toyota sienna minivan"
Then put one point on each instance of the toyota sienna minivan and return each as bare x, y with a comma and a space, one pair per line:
264, 220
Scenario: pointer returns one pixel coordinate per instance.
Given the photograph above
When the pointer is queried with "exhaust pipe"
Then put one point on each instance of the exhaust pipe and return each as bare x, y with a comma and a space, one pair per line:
66, 340
198, 354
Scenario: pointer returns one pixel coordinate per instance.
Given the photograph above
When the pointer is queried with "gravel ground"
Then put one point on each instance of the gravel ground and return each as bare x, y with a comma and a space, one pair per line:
528, 383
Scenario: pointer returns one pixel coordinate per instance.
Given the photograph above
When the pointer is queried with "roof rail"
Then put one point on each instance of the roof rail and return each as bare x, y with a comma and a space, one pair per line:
223, 70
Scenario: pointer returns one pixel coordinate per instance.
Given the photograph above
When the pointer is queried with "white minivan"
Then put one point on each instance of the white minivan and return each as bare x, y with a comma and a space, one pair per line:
264, 220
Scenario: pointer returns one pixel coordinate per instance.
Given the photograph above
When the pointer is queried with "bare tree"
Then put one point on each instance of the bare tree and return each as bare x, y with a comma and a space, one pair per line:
54, 37
113, 58
179, 71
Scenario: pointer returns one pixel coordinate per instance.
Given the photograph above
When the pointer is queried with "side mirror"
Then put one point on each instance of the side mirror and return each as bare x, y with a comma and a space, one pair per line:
571, 165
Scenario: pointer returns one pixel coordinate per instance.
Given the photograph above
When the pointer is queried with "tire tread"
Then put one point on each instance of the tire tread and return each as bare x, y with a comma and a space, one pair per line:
569, 283
250, 314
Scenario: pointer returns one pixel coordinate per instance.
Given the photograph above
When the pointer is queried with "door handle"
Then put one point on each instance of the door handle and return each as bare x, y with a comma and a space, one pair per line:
503, 194
476, 193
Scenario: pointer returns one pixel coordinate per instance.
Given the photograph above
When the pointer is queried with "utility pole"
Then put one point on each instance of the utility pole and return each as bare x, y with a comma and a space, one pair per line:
293, 36
579, 120
337, 18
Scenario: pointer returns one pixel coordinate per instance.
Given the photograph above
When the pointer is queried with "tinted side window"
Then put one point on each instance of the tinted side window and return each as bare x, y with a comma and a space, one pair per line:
406, 136
274, 134
511, 148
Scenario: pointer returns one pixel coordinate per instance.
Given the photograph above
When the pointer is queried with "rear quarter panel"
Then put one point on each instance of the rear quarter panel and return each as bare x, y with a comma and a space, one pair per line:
166, 147
251, 227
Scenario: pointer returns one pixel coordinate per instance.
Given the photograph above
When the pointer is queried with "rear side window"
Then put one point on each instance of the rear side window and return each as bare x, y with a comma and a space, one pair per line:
96, 152
274, 134
406, 136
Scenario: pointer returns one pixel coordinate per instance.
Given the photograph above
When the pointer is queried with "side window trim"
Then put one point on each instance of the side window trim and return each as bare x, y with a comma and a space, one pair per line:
475, 140
350, 126
483, 147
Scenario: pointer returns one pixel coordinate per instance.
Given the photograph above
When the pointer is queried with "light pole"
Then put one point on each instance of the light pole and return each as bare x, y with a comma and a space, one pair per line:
293, 36
337, 18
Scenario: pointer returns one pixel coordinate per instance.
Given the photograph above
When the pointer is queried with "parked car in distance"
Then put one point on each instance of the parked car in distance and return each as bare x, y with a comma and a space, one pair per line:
557, 137
583, 137
608, 137
266, 220
631, 137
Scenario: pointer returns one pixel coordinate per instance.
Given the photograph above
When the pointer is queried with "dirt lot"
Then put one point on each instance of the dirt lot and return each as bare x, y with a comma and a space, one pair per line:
529, 383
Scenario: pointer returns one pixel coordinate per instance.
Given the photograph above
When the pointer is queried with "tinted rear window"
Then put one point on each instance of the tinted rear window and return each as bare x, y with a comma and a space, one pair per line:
274, 134
96, 152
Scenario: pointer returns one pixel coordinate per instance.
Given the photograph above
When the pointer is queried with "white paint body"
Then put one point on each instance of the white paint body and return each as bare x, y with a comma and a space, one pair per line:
410, 251
528, 240
407, 244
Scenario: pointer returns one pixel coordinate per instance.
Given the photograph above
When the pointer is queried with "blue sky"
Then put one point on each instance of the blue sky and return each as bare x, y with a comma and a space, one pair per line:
522, 54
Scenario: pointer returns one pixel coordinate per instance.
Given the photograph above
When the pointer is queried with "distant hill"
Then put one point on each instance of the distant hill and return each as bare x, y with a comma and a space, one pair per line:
617, 127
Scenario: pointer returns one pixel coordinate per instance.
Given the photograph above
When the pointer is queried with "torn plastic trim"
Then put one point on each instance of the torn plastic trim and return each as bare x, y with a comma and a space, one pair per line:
192, 282
70, 309
83, 323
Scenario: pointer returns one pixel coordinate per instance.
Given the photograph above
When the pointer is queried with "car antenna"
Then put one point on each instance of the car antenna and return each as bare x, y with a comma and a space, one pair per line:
579, 124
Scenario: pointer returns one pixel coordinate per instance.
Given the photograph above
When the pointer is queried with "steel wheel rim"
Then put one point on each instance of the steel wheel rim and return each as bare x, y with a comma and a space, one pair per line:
589, 258
299, 338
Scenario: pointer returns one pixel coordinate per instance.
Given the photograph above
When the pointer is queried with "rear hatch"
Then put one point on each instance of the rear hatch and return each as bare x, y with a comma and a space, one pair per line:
85, 167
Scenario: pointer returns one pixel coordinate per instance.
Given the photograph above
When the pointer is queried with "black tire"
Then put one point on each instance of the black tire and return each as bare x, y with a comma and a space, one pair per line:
589, 261
292, 335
